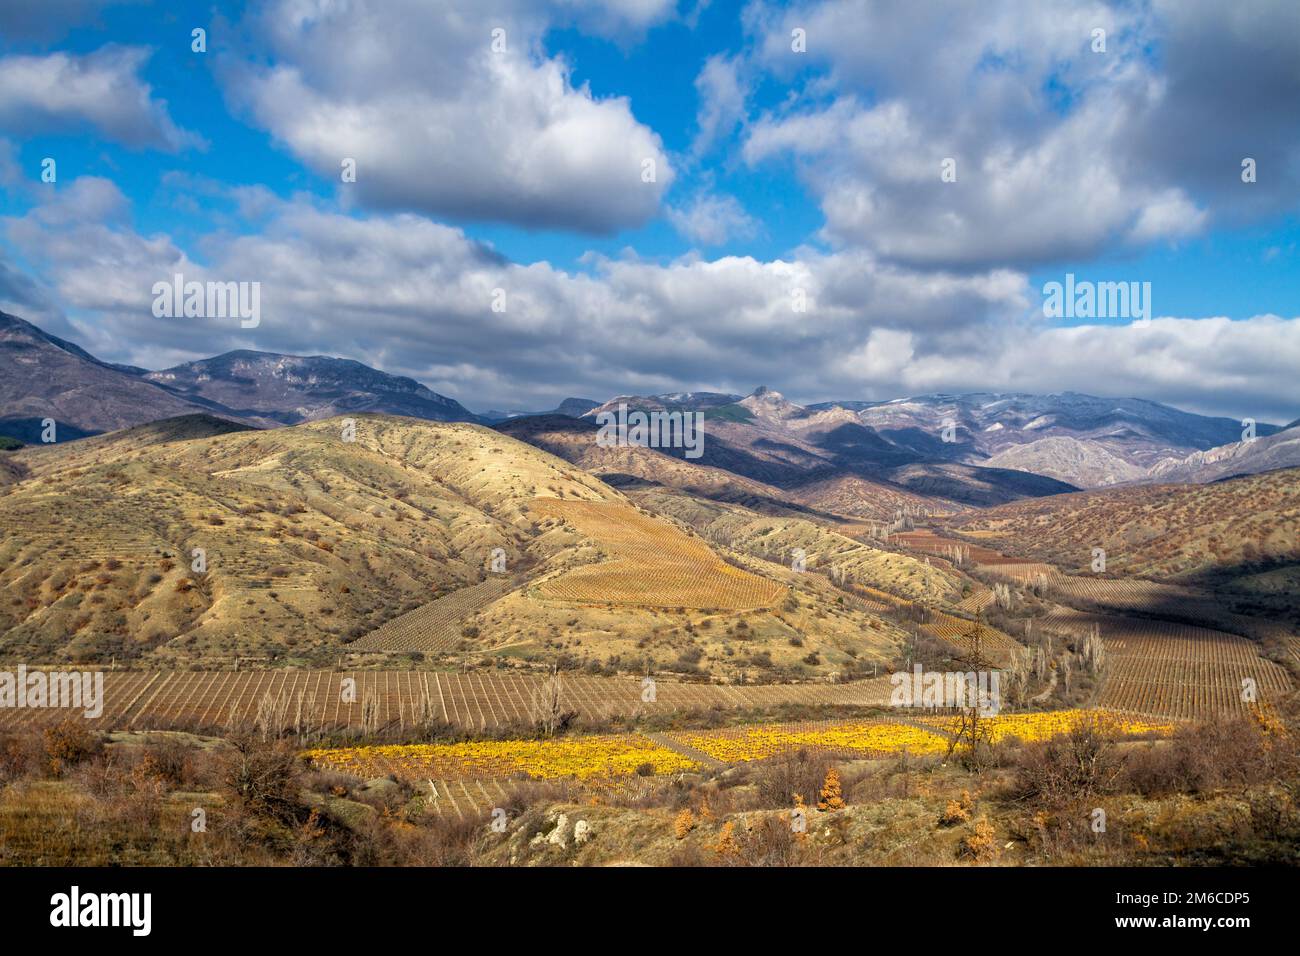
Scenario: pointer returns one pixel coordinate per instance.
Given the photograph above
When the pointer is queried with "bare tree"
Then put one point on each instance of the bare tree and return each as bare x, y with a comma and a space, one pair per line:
548, 705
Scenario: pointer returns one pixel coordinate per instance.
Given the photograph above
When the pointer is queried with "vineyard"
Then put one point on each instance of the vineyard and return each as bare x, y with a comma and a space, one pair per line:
1023, 572
434, 627
471, 777
1173, 670
853, 739
308, 701
1154, 597
977, 601
652, 563
972, 555
1121, 593
957, 632
1043, 726
959, 552
585, 757
961, 634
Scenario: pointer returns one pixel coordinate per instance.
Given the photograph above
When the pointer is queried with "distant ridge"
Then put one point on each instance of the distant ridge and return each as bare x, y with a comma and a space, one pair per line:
46, 377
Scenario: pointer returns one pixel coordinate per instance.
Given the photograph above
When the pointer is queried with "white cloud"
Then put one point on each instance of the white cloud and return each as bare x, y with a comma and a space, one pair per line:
711, 220
65, 92
439, 123
722, 95
414, 297
1061, 152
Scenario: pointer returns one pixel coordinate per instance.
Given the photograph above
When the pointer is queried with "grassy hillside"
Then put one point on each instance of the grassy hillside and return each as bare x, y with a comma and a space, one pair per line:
311, 542
309, 539
1241, 532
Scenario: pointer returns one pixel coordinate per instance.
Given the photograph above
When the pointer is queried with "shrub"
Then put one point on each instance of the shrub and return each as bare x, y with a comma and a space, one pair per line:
68, 744
1072, 767
684, 823
778, 779
980, 844
17, 755
727, 845
167, 761
831, 797
957, 811
263, 777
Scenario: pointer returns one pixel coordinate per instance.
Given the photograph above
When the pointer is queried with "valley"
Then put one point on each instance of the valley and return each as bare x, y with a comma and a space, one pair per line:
445, 618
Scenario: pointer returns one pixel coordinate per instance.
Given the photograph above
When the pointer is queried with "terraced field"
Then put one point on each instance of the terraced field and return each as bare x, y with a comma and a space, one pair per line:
978, 600
1173, 670
314, 700
986, 559
652, 563
434, 628
960, 633
955, 631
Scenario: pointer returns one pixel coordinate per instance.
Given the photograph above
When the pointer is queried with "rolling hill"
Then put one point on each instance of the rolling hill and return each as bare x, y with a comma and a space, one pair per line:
310, 541
1238, 533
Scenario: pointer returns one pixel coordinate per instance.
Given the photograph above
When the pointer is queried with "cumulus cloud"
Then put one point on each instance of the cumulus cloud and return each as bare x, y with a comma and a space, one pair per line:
103, 91
711, 220
438, 121
414, 297
1059, 151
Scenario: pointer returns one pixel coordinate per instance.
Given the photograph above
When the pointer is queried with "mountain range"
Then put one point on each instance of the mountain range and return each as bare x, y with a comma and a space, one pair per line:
47, 377
971, 449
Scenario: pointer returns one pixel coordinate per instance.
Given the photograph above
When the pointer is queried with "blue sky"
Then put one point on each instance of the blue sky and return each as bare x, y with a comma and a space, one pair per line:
779, 169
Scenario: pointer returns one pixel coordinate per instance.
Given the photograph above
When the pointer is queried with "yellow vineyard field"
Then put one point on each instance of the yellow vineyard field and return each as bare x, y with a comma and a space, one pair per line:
854, 738
585, 758
1044, 726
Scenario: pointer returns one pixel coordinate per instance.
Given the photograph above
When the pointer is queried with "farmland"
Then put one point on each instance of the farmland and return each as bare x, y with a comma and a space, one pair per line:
474, 769
854, 739
1164, 668
964, 635
1174, 670
651, 563
434, 627
583, 757
1043, 726
315, 700
1221, 534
